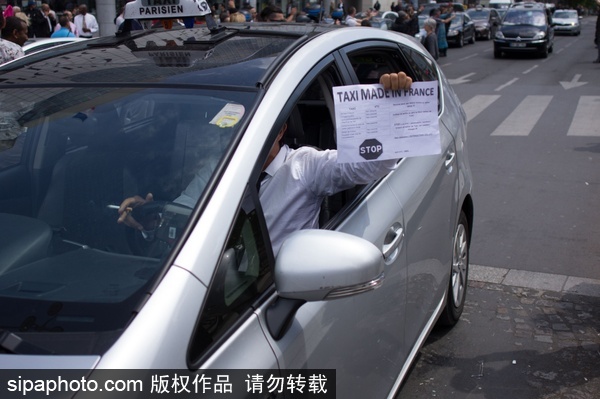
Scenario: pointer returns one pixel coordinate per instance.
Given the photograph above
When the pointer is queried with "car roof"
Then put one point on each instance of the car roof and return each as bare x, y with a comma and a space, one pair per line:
243, 56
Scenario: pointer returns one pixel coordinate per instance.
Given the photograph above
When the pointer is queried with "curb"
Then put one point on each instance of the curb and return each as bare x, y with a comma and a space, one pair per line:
535, 280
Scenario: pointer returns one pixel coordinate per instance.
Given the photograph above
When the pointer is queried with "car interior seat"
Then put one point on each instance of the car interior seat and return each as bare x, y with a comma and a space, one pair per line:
91, 175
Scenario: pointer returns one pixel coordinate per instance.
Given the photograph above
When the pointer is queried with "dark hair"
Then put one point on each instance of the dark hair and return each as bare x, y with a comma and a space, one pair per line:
63, 20
13, 23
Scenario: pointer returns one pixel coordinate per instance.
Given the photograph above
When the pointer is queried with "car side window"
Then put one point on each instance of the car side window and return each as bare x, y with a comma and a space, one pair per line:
243, 274
370, 64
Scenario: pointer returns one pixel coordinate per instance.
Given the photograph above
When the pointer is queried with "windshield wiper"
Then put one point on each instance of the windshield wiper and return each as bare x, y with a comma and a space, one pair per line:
12, 343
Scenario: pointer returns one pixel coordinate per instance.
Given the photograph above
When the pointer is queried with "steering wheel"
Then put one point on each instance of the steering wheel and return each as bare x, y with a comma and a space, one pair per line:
165, 222
145, 243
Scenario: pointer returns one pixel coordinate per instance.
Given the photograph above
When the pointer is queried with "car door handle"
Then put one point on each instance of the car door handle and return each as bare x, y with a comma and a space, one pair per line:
392, 242
449, 159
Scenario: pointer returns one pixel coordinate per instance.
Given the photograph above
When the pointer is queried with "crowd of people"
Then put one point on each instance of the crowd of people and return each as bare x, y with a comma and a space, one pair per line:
76, 21
18, 25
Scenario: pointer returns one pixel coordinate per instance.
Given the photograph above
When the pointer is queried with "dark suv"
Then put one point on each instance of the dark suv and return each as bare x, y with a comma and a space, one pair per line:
526, 27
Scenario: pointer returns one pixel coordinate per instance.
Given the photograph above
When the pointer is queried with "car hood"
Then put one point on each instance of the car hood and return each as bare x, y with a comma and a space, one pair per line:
523, 31
564, 21
47, 362
480, 22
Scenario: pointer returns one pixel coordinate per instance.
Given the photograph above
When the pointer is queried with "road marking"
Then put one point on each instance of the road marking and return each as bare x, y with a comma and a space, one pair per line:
522, 120
573, 83
586, 121
471, 56
474, 106
529, 70
506, 84
462, 79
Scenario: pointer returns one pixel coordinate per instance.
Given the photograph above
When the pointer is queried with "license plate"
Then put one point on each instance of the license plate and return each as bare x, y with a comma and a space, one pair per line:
518, 44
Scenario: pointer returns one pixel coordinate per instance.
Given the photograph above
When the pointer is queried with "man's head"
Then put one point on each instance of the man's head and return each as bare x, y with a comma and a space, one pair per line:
83, 9
15, 30
272, 13
64, 21
276, 147
31, 4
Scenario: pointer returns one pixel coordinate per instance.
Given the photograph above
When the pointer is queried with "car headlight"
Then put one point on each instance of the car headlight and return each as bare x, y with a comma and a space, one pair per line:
539, 35
499, 35
452, 33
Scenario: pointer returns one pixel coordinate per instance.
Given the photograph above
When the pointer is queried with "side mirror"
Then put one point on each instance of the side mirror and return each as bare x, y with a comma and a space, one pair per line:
316, 265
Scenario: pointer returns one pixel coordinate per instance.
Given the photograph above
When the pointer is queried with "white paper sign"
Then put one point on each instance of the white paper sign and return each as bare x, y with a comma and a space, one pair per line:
375, 124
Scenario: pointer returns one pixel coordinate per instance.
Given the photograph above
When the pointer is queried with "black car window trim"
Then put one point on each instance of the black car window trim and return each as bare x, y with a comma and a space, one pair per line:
403, 60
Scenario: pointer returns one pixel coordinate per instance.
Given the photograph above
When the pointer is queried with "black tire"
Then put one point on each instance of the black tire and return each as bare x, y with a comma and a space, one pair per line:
472, 39
459, 275
461, 40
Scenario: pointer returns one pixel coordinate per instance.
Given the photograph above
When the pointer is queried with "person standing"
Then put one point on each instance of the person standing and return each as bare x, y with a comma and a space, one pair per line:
50, 17
431, 40
65, 29
85, 22
402, 23
72, 26
441, 30
14, 36
39, 24
597, 37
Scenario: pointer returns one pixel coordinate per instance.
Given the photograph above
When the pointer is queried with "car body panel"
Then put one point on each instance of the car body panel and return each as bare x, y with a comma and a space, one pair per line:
462, 30
526, 27
35, 45
486, 21
566, 21
409, 215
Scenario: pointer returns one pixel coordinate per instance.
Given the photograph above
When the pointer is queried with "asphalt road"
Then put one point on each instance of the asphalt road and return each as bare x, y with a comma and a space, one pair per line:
534, 146
531, 324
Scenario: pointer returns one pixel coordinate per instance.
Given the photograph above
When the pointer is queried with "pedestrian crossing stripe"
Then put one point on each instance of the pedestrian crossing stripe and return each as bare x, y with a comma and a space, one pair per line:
477, 104
586, 121
522, 120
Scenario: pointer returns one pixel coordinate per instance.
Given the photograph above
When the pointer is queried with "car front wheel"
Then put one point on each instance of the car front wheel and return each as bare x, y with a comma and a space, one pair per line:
457, 290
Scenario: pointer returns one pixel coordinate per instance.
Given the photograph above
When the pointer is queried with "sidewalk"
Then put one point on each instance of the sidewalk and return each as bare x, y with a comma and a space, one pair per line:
522, 335
538, 281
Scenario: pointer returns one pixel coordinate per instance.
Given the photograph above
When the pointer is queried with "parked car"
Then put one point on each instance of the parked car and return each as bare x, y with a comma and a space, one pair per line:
427, 7
486, 21
200, 287
525, 28
461, 31
34, 45
566, 21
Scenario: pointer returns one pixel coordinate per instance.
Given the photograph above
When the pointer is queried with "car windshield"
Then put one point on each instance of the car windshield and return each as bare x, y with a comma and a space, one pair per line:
84, 128
63, 248
524, 17
565, 14
457, 22
479, 14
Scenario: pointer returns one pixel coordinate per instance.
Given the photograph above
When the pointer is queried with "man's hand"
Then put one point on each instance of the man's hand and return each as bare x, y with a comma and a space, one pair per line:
125, 210
395, 81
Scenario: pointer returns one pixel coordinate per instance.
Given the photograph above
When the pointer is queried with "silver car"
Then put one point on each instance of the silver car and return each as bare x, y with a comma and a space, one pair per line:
566, 21
88, 125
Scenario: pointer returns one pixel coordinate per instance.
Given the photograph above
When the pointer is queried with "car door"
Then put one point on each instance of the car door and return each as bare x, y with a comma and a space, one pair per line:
361, 337
426, 187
